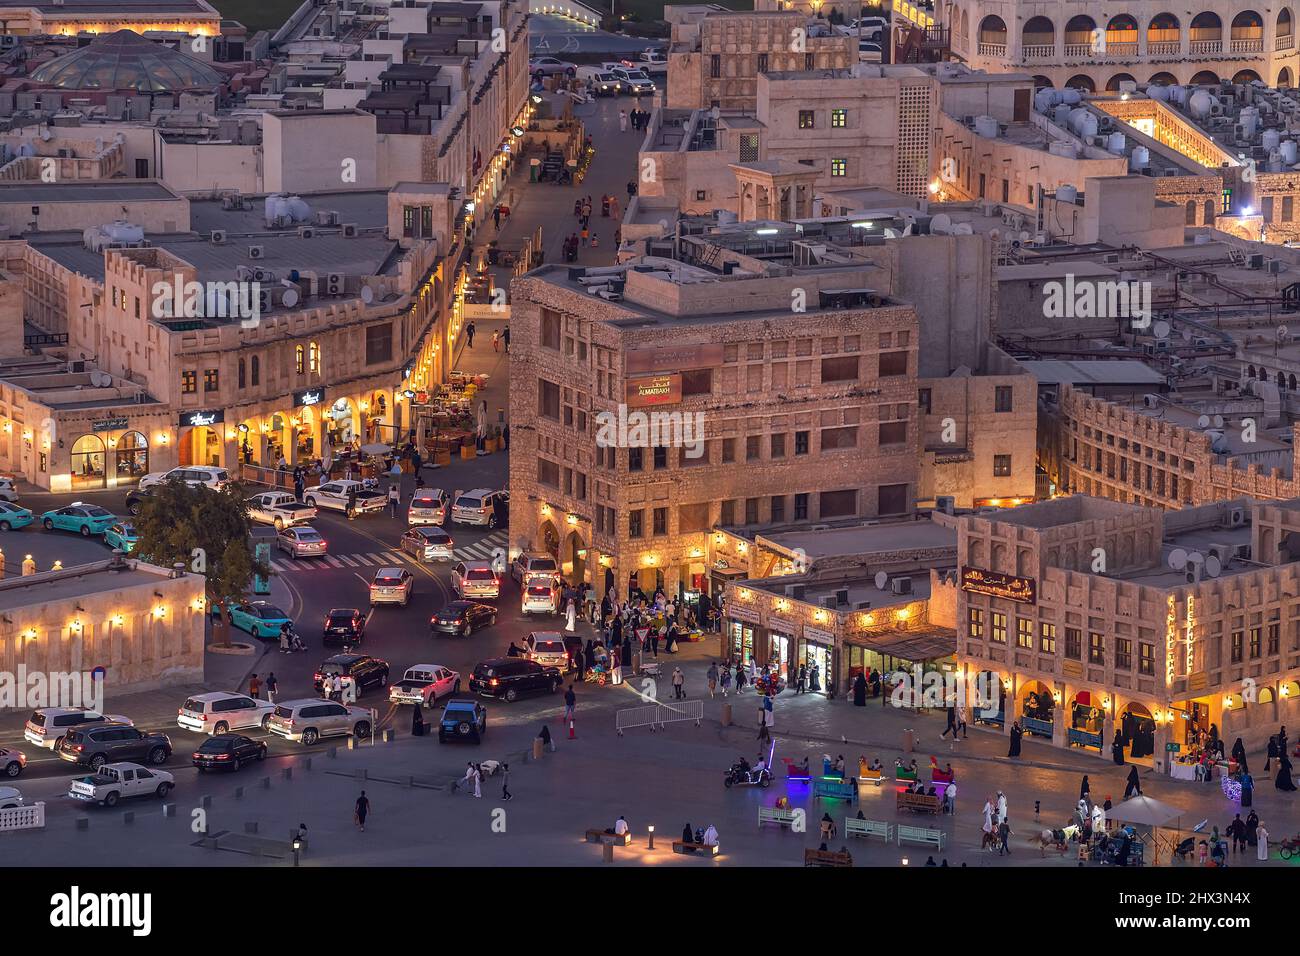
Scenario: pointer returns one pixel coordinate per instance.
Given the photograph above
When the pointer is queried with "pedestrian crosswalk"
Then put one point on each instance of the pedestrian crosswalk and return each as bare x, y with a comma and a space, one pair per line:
482, 550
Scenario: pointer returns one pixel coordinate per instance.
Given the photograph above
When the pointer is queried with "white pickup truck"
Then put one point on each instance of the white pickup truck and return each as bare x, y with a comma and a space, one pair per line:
424, 684
279, 508
334, 494
114, 781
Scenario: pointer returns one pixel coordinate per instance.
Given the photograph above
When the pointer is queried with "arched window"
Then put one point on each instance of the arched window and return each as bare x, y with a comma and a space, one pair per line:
131, 457
87, 461
299, 363
241, 372
1209, 212
257, 370
1190, 218
313, 358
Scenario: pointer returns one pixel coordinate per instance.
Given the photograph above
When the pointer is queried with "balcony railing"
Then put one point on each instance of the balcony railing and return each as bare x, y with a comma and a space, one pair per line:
1078, 49
1038, 51
1284, 43
1247, 46
993, 49
1127, 48
1163, 47
1197, 47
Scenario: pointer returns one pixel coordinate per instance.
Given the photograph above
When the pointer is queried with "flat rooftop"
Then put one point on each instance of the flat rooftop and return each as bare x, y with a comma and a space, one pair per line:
368, 209
44, 587
121, 9
1197, 540
1100, 372
915, 535
35, 193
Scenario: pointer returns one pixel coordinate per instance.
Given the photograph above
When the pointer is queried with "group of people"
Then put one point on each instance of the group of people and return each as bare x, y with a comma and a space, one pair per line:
996, 829
638, 120
339, 687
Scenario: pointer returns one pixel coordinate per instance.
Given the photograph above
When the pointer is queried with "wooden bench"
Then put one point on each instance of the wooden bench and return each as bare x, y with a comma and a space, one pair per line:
833, 788
826, 858
680, 846
919, 802
854, 827
920, 835
783, 818
613, 839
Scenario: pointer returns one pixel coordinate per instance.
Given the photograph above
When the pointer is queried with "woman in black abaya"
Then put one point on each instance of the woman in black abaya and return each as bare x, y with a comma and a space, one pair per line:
1016, 734
1283, 780
1132, 785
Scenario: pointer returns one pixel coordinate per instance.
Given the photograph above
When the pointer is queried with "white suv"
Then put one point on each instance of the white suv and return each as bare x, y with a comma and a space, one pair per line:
482, 506
220, 712
529, 563
192, 475
311, 718
392, 586
46, 727
547, 648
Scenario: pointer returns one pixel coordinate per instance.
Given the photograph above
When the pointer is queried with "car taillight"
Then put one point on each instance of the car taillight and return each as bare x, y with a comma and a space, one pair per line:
79, 748
493, 682
204, 718
223, 756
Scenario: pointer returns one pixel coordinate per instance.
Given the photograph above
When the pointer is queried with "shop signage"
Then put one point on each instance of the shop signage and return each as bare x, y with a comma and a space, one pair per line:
979, 581
309, 397
655, 390
1173, 748
109, 424
673, 358
740, 612
206, 416
817, 634
781, 624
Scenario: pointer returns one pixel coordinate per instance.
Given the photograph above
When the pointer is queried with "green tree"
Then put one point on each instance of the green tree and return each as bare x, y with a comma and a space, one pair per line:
206, 531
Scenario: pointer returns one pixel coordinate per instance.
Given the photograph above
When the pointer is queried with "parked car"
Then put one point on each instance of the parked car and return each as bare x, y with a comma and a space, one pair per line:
279, 508
10, 797
112, 743
424, 684
428, 544
463, 618
549, 66
633, 80
46, 726
259, 618
869, 51
111, 782
121, 536
193, 475
475, 579
8, 490
365, 670
512, 677
220, 712
547, 648
12, 762
540, 595
344, 625
600, 81
228, 752
14, 516
334, 495
527, 563
309, 719
462, 720
429, 506
482, 506
301, 541
135, 499
392, 586
87, 519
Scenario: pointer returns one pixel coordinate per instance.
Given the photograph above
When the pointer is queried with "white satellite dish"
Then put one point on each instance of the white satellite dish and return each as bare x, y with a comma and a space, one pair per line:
367, 294
994, 234
881, 580
1195, 557
1178, 559
941, 224
1203, 421
1213, 567
1218, 421
891, 233
290, 298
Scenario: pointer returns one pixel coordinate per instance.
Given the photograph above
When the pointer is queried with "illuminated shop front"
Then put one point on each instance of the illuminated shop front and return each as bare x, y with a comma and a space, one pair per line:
199, 438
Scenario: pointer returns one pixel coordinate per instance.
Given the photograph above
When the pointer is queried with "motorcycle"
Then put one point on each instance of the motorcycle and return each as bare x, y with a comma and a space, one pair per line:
738, 775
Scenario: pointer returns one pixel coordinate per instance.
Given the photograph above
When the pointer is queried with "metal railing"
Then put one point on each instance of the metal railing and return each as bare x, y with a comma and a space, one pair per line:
659, 715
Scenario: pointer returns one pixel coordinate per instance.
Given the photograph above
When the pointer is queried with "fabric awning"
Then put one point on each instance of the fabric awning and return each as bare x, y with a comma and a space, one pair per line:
912, 646
1145, 811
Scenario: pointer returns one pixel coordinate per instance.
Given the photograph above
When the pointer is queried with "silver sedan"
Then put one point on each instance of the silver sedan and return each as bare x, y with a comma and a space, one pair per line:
301, 541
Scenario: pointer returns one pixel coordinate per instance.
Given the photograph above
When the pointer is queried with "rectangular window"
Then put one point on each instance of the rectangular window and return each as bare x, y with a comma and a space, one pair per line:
749, 148
1274, 632
548, 399
778, 508
839, 504
893, 433
660, 522
762, 63
1001, 466
801, 443
778, 445
1002, 398
1237, 641
1123, 654
836, 438
1146, 659
379, 343
728, 516
801, 507
839, 119
635, 528
548, 473
1255, 635
999, 628
661, 458
753, 449
189, 382
698, 381
893, 363
728, 450
715, 66
691, 457
1073, 644
636, 459
549, 333
1025, 633
1096, 649
842, 368
211, 380
923, 400
975, 622
807, 119
1047, 638
839, 167
751, 511
891, 500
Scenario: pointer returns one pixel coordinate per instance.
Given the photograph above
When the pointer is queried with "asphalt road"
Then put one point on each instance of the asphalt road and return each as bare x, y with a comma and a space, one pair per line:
556, 36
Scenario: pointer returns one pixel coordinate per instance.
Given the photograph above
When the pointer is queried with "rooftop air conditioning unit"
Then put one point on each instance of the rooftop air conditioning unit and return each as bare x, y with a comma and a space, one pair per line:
256, 252
306, 232
1237, 517
827, 600
263, 275
863, 606
349, 230
902, 585
218, 237
945, 503
243, 273
335, 283
327, 217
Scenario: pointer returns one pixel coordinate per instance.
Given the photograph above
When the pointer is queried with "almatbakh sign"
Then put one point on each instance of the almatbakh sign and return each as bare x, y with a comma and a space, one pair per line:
672, 359
979, 581
655, 390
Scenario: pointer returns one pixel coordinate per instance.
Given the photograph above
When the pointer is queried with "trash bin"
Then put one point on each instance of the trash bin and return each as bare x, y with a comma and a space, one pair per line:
726, 715
909, 740
537, 748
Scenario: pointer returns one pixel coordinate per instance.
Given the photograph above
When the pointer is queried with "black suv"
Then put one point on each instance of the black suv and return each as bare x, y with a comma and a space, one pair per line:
344, 625
508, 677
135, 500
228, 752
113, 743
365, 670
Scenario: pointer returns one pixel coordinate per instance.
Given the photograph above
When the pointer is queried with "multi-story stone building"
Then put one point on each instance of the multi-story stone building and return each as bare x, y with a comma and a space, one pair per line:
1099, 624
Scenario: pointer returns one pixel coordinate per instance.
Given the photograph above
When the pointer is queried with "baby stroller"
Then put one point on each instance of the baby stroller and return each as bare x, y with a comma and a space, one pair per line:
1185, 849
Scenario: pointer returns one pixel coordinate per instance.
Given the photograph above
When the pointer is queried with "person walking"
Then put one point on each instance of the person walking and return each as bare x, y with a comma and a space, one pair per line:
570, 701
713, 678
469, 335
254, 687
724, 677
740, 679
1004, 834
622, 121
496, 217
361, 811
1261, 847
679, 679
505, 782
496, 341
271, 686
801, 681
505, 338
478, 781
352, 501
961, 720
1084, 789
952, 723
1132, 786
950, 798
394, 499
1237, 832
